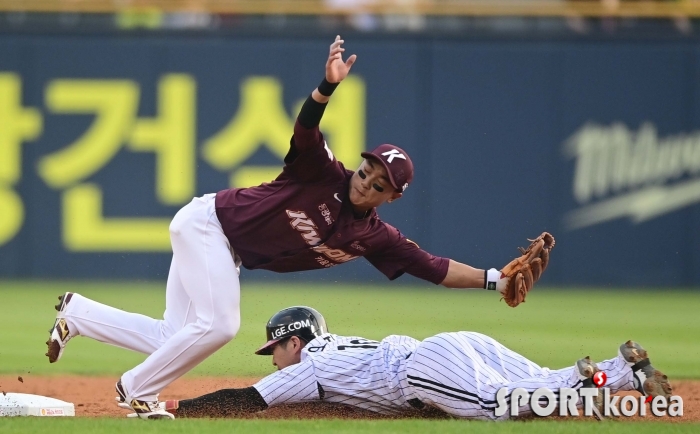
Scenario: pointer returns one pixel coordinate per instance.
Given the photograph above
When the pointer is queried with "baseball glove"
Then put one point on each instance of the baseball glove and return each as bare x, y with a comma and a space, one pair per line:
523, 272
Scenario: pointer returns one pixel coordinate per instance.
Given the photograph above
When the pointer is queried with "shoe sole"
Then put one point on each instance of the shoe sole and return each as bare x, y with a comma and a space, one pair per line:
587, 369
141, 409
658, 385
59, 332
158, 417
656, 382
144, 411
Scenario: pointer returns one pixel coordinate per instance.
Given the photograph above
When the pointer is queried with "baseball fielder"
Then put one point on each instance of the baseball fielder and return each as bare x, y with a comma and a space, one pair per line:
316, 214
458, 373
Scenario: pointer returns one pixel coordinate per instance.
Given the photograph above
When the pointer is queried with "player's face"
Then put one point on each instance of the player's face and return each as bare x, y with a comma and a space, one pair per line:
370, 186
287, 353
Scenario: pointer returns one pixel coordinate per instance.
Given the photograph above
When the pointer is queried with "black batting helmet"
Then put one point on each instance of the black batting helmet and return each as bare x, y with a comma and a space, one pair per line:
301, 321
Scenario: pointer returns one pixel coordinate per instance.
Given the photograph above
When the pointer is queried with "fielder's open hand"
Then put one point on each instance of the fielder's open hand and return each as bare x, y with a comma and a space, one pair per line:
336, 69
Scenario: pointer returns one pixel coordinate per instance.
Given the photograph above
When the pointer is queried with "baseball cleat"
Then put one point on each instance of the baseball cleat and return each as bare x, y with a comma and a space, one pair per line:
647, 380
169, 406
150, 409
59, 333
587, 368
121, 396
142, 409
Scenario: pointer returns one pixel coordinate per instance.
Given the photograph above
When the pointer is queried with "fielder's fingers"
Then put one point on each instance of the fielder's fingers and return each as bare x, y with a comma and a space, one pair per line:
337, 50
337, 43
351, 60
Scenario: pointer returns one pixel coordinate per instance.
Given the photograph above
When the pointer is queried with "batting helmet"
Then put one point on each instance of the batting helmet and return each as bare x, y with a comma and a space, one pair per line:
301, 321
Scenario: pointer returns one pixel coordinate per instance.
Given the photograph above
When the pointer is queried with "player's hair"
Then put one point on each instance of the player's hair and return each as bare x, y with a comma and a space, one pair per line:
285, 341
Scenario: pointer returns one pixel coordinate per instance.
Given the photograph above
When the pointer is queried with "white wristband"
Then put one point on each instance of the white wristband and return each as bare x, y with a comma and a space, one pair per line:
492, 279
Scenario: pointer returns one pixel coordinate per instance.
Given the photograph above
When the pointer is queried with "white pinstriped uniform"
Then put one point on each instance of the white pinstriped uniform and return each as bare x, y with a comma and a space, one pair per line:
345, 369
458, 373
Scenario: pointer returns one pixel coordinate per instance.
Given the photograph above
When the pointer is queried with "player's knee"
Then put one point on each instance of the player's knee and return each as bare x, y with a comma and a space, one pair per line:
175, 227
230, 330
180, 222
225, 328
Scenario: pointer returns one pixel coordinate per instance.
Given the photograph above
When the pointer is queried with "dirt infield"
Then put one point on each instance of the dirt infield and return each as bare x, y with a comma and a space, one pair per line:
94, 397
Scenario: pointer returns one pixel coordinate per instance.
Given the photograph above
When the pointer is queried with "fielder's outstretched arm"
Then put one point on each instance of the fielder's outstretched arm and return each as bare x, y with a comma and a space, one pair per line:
514, 280
293, 384
464, 276
222, 403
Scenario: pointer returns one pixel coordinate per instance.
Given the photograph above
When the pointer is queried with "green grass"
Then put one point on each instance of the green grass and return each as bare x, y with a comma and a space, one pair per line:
554, 328
100, 426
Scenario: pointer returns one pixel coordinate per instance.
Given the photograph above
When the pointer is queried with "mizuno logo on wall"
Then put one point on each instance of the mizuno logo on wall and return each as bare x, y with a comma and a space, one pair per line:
621, 173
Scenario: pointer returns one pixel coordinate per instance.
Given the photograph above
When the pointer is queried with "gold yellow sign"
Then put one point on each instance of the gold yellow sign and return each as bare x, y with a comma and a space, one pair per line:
261, 120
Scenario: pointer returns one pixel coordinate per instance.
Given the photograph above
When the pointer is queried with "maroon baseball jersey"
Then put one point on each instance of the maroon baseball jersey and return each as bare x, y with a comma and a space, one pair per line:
303, 220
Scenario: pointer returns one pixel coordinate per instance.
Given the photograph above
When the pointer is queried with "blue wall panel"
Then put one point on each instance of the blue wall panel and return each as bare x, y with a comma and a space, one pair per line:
594, 141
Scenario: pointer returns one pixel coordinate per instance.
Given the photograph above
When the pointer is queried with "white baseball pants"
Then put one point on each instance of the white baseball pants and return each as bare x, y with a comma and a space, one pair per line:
201, 306
461, 373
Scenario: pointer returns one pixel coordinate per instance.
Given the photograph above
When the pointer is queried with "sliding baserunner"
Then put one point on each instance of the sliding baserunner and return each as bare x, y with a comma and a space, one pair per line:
459, 373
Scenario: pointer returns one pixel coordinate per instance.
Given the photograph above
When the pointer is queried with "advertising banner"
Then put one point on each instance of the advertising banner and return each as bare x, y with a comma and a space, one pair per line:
103, 139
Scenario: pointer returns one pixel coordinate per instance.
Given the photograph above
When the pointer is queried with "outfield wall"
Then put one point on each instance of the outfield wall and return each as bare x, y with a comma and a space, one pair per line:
103, 138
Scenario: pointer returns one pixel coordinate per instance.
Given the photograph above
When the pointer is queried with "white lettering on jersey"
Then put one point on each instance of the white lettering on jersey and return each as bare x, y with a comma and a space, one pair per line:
301, 222
336, 255
356, 245
326, 213
390, 155
325, 262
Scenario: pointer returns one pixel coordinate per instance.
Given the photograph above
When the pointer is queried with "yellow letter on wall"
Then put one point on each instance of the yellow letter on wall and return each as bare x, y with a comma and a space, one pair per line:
17, 124
172, 137
114, 103
86, 230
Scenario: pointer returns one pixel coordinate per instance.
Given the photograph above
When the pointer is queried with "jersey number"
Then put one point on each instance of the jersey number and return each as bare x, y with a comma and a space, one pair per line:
359, 343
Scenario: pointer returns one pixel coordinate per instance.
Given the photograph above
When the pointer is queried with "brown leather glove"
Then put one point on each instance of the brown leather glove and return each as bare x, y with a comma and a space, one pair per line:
524, 271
